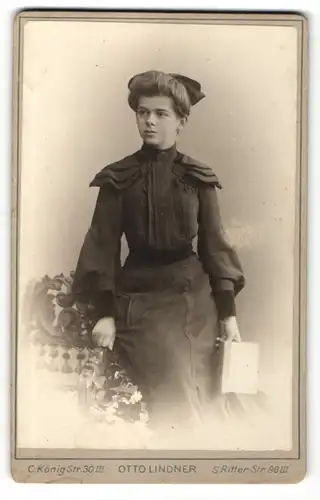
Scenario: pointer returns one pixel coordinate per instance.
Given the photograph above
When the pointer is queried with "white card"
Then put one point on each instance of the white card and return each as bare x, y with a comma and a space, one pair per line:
240, 367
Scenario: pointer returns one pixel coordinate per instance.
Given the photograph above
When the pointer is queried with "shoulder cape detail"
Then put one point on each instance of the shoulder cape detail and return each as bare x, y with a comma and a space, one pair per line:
120, 174
189, 167
123, 173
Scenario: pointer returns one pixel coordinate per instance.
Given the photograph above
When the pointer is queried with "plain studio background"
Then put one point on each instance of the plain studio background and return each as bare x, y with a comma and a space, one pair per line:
75, 120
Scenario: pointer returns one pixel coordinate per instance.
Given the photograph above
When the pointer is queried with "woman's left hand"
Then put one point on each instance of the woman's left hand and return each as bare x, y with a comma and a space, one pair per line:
230, 330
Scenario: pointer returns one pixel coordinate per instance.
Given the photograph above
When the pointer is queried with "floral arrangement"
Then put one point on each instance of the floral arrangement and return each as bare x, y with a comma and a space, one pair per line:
61, 330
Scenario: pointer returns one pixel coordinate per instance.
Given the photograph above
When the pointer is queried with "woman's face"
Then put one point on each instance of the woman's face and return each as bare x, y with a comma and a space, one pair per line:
157, 121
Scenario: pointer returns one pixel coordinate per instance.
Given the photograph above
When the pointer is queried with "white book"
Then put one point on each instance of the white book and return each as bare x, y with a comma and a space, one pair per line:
240, 367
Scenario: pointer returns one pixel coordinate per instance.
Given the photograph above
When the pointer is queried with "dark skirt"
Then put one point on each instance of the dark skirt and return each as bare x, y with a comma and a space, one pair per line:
167, 326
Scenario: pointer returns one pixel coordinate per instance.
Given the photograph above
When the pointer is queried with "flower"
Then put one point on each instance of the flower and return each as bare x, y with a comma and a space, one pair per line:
110, 410
144, 417
136, 397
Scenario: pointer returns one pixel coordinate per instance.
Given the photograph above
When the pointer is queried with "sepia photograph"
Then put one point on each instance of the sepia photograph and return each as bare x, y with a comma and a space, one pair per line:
159, 245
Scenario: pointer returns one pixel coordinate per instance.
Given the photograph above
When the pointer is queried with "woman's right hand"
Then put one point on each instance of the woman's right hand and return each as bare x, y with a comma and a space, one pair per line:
104, 332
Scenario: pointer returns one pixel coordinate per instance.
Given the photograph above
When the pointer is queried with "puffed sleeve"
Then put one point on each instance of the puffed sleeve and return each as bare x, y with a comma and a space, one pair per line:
219, 258
99, 259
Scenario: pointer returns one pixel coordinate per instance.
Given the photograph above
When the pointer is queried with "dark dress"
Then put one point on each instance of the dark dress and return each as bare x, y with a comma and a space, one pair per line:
167, 299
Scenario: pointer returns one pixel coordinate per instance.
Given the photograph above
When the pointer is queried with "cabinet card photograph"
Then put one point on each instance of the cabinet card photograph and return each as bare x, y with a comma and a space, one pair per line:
159, 247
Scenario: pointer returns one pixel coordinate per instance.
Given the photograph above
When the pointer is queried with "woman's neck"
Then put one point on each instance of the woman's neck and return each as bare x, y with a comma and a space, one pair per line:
152, 151
153, 147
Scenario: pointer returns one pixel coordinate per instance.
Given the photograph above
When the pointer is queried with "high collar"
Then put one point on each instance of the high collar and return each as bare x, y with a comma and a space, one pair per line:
152, 153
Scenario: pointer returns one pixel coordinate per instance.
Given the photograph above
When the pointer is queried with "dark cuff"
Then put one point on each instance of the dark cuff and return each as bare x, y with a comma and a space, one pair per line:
104, 304
225, 304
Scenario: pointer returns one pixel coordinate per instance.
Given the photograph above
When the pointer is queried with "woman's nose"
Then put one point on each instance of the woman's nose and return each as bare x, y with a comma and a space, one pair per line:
150, 119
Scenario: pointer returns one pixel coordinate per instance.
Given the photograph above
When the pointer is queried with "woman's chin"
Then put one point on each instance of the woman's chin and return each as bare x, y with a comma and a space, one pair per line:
151, 140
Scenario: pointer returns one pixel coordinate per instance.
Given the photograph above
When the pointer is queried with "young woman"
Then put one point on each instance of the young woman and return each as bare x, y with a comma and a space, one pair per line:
163, 309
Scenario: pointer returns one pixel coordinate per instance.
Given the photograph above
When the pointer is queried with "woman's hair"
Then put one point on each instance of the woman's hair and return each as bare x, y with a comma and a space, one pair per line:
156, 83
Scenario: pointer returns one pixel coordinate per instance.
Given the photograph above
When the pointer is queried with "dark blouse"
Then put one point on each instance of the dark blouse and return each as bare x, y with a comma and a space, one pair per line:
161, 200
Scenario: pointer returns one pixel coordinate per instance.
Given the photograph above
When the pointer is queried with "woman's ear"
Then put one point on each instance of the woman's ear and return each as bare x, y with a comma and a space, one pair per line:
182, 123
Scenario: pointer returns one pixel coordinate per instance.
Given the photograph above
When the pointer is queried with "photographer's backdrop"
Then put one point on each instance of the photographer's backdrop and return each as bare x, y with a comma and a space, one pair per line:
75, 120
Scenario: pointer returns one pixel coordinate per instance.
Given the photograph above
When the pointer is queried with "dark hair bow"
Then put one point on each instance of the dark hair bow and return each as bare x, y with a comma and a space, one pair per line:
193, 87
